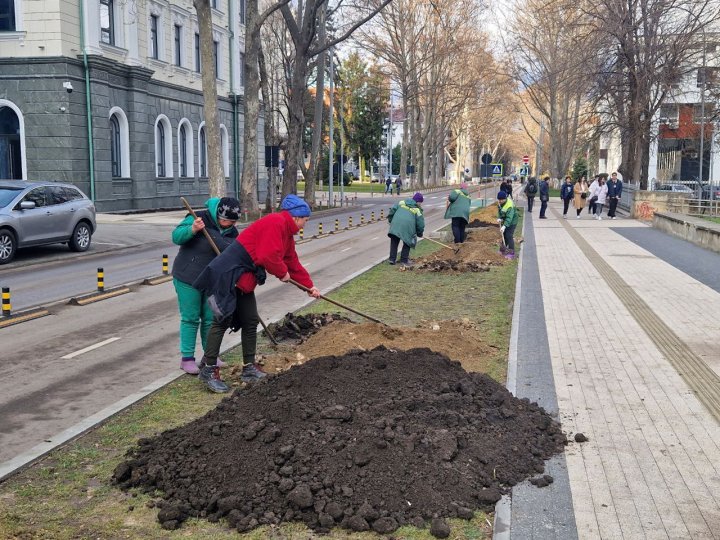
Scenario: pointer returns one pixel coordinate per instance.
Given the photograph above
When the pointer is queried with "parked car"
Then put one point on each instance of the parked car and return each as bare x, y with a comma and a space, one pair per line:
675, 188
39, 213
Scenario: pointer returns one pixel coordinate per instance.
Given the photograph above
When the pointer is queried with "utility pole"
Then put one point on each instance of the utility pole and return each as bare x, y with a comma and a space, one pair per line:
332, 124
390, 133
539, 150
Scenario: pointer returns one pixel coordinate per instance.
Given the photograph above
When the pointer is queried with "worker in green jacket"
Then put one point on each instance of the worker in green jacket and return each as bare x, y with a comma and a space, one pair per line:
507, 219
457, 209
407, 224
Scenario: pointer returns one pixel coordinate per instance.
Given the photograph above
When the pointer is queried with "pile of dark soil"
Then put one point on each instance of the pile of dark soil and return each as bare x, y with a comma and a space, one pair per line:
477, 223
299, 327
370, 440
450, 266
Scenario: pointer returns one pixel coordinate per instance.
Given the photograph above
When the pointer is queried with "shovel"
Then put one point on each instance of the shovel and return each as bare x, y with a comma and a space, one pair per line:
456, 250
304, 288
217, 252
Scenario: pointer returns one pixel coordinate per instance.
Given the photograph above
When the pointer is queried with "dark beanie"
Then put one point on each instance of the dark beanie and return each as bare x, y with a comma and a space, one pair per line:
228, 208
418, 197
501, 195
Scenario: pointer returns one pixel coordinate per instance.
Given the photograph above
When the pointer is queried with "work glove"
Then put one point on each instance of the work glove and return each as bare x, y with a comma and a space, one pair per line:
499, 221
502, 229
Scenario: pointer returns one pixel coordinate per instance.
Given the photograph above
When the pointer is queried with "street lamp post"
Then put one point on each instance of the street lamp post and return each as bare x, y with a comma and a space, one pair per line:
332, 142
702, 113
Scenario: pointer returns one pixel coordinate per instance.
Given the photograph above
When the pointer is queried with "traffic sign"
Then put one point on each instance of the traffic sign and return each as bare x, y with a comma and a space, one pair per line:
524, 170
496, 169
526, 159
486, 159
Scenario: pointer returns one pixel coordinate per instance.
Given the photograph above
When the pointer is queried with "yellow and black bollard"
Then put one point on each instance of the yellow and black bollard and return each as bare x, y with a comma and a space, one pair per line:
350, 222
337, 225
101, 280
362, 219
320, 229
302, 234
6, 307
372, 217
382, 214
166, 270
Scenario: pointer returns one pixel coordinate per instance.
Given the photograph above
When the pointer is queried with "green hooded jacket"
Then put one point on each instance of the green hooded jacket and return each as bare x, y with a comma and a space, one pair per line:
406, 221
508, 213
459, 205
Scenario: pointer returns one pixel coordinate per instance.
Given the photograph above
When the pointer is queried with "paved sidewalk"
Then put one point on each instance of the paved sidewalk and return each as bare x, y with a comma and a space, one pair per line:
635, 362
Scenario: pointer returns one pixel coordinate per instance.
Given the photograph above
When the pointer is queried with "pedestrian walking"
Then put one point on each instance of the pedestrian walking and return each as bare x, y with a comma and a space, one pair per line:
531, 189
506, 187
544, 190
398, 185
457, 209
388, 185
566, 194
507, 219
195, 253
614, 192
580, 194
407, 223
591, 190
599, 196
268, 245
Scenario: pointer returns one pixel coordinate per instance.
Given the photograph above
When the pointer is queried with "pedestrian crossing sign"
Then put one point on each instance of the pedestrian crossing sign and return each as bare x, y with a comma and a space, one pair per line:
497, 169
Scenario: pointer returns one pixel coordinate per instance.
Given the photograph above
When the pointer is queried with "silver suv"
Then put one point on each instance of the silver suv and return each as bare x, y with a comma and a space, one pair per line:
37, 213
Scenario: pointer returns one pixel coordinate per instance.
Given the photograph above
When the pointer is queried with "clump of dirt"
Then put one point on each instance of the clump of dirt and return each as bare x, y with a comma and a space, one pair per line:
484, 217
478, 253
459, 339
370, 440
299, 327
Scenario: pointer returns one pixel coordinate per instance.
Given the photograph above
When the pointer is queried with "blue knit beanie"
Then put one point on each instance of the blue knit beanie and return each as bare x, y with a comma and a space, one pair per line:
501, 195
296, 206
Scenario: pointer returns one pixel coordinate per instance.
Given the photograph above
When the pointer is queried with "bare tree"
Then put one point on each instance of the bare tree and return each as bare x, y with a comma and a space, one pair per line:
302, 25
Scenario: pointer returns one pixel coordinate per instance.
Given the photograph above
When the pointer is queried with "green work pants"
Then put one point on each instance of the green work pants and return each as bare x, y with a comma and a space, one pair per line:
247, 315
195, 313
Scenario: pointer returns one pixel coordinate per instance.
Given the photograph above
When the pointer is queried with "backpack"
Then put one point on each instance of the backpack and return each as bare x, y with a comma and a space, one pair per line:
532, 188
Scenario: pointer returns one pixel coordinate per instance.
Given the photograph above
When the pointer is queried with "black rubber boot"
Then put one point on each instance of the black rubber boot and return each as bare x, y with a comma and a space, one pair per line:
210, 375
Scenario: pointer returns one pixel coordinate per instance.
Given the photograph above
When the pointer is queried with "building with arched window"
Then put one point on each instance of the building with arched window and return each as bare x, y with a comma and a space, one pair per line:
133, 141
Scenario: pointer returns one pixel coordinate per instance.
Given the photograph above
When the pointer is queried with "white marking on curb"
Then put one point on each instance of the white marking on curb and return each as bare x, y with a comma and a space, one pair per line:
90, 348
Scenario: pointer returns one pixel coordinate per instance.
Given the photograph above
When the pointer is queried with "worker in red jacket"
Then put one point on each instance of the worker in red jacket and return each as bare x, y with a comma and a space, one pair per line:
229, 281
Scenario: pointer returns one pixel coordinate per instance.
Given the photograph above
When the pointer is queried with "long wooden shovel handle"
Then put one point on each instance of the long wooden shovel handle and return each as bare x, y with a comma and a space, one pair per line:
304, 288
441, 244
217, 252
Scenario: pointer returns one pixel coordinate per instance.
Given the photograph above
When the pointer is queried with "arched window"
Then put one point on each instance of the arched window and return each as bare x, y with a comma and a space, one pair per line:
12, 142
119, 144
163, 148
202, 152
115, 147
225, 150
185, 149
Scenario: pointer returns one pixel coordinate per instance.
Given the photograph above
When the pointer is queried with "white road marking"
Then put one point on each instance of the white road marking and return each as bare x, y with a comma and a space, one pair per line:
90, 348
344, 250
375, 238
107, 244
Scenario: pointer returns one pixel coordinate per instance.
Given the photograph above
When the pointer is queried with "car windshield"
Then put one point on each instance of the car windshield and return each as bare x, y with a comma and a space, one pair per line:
7, 194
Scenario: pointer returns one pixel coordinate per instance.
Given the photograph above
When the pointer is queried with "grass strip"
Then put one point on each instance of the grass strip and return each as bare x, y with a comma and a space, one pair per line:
68, 495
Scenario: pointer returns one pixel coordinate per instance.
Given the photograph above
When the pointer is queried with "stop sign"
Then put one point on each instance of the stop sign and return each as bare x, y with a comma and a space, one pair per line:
526, 159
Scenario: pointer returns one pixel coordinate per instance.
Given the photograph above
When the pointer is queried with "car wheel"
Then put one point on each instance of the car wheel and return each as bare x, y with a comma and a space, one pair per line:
81, 236
8, 246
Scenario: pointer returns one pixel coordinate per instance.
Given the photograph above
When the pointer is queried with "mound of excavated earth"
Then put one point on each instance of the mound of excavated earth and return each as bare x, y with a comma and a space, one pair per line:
299, 327
370, 440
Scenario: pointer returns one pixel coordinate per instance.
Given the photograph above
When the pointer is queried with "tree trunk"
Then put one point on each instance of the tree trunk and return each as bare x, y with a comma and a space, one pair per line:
216, 175
314, 175
404, 147
296, 124
249, 182
271, 137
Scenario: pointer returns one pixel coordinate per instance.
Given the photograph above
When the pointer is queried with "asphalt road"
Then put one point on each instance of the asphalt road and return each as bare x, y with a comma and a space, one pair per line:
49, 384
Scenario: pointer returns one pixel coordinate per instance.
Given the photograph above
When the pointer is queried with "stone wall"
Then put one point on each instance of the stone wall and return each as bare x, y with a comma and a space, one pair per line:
699, 231
646, 203
56, 138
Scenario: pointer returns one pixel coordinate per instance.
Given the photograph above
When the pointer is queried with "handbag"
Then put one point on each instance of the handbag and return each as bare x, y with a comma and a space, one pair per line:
593, 199
583, 195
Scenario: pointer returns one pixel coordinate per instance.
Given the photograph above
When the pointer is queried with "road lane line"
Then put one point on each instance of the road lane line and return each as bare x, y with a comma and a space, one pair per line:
375, 238
344, 250
90, 348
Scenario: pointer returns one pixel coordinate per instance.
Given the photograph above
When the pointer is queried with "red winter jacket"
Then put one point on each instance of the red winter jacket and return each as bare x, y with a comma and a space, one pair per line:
270, 243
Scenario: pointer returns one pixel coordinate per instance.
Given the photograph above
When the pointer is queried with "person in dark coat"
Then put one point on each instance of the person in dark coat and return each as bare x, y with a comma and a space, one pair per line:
614, 193
544, 189
566, 194
266, 246
194, 255
530, 190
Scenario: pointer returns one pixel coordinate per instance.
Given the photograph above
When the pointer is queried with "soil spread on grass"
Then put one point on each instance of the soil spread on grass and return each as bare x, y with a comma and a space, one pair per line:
299, 327
459, 339
479, 252
484, 217
370, 440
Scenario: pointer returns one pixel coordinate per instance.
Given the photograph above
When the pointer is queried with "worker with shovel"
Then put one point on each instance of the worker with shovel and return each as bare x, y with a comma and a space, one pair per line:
196, 252
407, 223
457, 209
268, 245
507, 219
